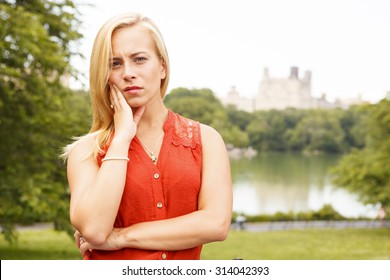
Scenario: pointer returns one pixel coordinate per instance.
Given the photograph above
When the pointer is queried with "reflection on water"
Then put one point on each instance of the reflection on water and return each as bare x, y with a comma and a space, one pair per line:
282, 182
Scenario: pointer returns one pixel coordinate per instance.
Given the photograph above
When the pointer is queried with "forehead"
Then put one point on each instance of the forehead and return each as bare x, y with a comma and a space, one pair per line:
131, 38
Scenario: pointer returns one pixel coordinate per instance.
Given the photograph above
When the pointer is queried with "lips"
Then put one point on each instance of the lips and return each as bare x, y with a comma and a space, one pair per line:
132, 90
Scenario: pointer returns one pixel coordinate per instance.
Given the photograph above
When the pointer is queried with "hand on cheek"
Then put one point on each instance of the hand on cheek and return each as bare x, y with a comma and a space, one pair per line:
125, 118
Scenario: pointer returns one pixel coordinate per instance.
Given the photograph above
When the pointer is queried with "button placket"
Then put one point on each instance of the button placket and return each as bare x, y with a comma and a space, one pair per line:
159, 195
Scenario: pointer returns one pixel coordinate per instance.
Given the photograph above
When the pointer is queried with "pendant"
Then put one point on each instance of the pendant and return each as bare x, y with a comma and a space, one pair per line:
153, 157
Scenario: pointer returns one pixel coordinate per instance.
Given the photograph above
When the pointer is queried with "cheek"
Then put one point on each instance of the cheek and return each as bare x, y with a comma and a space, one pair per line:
113, 77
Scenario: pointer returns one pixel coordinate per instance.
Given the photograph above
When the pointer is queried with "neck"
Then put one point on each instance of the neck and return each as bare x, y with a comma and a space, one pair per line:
150, 130
153, 119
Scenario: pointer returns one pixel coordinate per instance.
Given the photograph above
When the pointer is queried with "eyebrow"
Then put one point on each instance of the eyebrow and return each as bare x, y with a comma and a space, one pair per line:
131, 55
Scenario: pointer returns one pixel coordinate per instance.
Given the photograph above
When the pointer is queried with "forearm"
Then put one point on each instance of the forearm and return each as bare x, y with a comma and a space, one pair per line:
95, 211
178, 233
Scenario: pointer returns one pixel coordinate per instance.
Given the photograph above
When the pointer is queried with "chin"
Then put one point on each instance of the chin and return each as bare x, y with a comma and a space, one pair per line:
136, 104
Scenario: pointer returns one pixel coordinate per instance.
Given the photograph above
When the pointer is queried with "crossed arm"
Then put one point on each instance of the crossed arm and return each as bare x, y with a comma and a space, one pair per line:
96, 194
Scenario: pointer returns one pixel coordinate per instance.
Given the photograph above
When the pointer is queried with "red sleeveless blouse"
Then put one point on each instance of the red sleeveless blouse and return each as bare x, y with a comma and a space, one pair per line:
166, 190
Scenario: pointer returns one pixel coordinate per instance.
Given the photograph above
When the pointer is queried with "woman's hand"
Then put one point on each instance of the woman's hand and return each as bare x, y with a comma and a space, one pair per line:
80, 241
125, 119
85, 247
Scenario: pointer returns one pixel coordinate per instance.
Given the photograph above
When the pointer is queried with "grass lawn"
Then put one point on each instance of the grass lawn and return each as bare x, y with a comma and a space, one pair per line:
44, 244
308, 244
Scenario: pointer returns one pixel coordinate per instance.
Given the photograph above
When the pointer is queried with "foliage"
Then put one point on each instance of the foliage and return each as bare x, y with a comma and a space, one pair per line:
366, 172
202, 105
36, 45
240, 118
309, 131
317, 131
198, 104
326, 213
355, 126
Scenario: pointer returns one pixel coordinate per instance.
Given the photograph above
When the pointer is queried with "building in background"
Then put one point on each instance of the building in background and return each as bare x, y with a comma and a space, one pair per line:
239, 102
282, 93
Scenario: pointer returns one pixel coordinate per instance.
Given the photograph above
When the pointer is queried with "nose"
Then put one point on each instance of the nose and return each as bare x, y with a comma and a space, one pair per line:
128, 72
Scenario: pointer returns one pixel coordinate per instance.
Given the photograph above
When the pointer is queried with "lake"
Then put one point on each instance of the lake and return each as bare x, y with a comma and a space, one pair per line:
285, 182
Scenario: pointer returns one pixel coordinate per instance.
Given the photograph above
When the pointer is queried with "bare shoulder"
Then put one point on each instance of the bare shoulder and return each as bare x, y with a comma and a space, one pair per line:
82, 148
210, 136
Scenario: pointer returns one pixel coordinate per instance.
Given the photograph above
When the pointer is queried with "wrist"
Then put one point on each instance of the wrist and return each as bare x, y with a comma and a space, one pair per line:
118, 149
119, 146
119, 141
121, 238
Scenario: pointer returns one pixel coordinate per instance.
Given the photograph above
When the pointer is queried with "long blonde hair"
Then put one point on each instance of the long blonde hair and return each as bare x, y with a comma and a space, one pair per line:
102, 115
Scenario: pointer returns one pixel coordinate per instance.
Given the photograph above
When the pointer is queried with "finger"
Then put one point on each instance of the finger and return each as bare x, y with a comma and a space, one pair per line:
121, 99
138, 114
114, 96
119, 96
77, 238
112, 99
85, 250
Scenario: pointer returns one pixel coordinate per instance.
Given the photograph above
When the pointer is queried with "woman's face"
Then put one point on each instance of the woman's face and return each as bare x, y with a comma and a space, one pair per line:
136, 69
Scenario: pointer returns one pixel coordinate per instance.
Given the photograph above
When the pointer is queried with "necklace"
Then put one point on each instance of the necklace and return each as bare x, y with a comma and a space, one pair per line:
151, 153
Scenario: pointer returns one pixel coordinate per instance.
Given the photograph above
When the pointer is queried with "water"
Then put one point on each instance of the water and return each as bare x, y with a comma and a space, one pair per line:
285, 182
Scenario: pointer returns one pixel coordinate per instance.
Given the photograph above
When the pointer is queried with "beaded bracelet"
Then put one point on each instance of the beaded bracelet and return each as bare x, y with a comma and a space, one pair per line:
115, 158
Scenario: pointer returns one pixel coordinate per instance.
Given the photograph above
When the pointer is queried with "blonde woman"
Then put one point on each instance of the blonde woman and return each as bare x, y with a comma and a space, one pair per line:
145, 182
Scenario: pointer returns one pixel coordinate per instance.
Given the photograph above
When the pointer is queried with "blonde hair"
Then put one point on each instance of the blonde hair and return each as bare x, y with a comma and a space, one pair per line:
102, 114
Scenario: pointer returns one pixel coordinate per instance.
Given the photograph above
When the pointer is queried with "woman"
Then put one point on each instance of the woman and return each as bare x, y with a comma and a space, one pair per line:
145, 183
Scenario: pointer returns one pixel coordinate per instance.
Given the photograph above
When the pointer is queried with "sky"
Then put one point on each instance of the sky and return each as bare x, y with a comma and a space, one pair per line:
218, 44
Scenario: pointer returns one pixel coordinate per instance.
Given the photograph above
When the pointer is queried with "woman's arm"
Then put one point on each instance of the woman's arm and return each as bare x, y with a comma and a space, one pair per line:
96, 192
210, 223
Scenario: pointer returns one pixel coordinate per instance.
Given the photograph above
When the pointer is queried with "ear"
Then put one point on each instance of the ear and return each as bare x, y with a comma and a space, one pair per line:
163, 71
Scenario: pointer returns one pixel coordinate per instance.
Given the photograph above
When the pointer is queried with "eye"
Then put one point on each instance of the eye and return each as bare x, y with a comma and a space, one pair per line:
115, 64
140, 59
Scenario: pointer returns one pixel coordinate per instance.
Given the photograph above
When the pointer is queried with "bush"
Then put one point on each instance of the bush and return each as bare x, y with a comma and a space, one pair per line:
326, 213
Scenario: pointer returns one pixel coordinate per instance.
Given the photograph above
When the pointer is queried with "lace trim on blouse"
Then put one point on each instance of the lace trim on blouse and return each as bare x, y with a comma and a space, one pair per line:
186, 133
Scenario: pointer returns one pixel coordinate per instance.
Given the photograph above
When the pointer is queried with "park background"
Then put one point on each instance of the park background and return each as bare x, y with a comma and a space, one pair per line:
44, 101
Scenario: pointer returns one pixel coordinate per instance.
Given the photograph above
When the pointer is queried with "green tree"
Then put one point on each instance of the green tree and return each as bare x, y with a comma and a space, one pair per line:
317, 131
267, 131
202, 105
354, 124
37, 40
197, 104
258, 130
366, 172
238, 117
277, 128
292, 116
